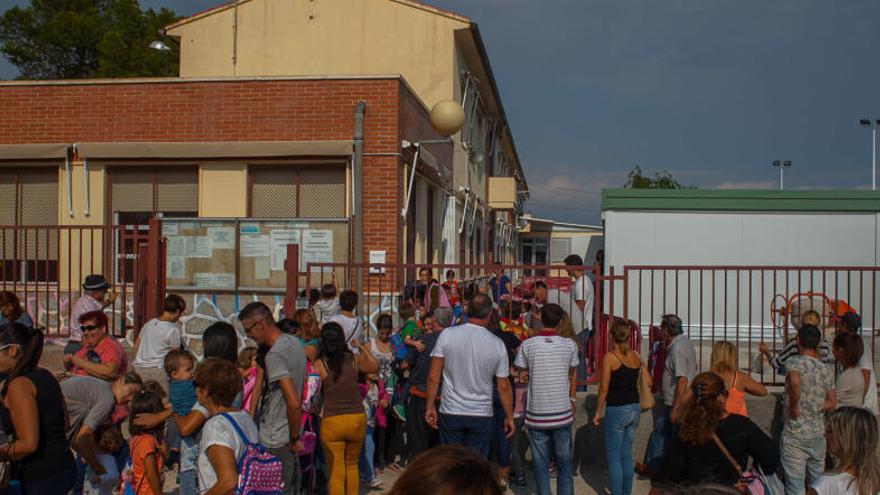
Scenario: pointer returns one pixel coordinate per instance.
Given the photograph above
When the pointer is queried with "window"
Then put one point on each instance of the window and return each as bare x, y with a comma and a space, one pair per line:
559, 249
28, 209
138, 194
297, 192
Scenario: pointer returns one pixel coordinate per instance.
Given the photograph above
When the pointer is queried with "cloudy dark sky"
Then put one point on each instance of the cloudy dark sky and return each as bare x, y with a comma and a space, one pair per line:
711, 90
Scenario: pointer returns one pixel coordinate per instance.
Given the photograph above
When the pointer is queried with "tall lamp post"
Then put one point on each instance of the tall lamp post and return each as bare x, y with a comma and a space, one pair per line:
782, 165
873, 125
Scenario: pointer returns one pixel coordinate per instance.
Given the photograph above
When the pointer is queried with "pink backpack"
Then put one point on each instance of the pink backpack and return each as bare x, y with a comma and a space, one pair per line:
259, 472
435, 297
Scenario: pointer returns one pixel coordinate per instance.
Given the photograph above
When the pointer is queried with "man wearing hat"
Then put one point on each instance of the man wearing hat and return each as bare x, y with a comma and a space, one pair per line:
94, 298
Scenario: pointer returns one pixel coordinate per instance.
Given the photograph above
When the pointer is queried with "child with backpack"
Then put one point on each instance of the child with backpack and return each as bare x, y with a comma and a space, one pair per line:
146, 446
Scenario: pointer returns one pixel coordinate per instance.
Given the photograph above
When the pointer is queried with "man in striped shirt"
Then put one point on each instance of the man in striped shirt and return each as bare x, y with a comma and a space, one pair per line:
94, 298
551, 362
777, 362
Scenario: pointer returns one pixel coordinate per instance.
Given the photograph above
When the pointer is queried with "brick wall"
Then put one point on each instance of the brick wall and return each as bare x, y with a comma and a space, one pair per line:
240, 110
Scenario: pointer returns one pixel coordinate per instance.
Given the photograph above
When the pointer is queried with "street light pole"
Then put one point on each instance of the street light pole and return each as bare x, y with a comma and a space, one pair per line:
782, 165
873, 125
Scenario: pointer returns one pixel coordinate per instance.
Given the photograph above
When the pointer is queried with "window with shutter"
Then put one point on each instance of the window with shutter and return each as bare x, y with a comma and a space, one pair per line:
559, 249
297, 191
273, 192
140, 193
29, 211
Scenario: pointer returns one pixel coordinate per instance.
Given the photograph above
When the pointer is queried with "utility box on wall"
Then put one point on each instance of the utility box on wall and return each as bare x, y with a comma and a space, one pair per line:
502, 193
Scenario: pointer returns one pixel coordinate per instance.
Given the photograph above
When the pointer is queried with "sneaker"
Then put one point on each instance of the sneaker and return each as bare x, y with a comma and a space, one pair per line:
375, 484
553, 473
520, 480
399, 411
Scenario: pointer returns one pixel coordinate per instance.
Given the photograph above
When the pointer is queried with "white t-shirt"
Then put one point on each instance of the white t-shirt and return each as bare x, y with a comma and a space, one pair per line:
156, 339
472, 357
582, 290
867, 363
353, 329
219, 431
836, 484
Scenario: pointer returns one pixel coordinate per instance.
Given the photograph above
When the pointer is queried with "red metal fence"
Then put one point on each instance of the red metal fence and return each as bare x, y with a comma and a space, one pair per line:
45, 266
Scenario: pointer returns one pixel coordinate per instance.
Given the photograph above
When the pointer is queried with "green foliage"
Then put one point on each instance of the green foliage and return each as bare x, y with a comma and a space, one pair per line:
73, 39
661, 180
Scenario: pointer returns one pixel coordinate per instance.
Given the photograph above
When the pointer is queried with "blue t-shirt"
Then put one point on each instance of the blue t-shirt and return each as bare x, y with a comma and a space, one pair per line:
24, 319
183, 396
503, 289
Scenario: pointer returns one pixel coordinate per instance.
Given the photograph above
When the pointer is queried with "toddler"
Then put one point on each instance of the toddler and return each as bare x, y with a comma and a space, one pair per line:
372, 394
179, 368
109, 439
328, 306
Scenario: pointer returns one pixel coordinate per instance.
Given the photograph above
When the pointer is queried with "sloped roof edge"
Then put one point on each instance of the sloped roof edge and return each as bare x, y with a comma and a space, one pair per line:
229, 5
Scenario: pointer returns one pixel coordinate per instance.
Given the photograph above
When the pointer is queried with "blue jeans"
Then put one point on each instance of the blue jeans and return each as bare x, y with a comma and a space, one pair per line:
500, 444
583, 369
471, 431
800, 456
663, 431
619, 425
188, 482
559, 439
366, 467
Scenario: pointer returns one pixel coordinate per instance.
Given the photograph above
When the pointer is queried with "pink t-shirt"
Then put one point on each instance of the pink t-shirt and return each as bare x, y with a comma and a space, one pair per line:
109, 351
250, 382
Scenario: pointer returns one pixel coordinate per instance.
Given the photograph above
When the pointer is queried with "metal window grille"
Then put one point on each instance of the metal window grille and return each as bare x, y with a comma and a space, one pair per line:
322, 193
273, 192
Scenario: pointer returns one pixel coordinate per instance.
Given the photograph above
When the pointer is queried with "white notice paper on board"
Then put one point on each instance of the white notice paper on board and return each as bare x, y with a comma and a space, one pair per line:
278, 241
203, 280
224, 280
261, 268
222, 237
176, 246
317, 247
254, 246
377, 258
175, 267
192, 247
203, 247
170, 228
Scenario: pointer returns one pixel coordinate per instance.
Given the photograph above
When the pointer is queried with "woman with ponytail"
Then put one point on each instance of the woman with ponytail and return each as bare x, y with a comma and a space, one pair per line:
30, 414
695, 455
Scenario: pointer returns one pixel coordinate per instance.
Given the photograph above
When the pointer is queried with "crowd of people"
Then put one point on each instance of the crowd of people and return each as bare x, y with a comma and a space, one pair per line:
451, 392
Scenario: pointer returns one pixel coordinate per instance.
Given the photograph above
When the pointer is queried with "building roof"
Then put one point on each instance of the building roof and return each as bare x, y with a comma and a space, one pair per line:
740, 200
563, 226
229, 5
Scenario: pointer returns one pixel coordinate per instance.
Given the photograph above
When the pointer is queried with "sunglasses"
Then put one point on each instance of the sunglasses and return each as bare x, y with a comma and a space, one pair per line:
7, 346
88, 328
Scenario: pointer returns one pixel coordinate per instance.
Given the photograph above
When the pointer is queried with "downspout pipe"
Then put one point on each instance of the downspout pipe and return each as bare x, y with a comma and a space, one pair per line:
357, 175
69, 174
86, 186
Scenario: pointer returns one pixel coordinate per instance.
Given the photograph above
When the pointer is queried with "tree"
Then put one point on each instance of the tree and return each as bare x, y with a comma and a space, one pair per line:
74, 39
661, 180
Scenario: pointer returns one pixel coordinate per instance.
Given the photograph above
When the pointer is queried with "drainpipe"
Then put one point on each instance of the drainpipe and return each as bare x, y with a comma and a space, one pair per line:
235, 39
357, 172
86, 185
69, 174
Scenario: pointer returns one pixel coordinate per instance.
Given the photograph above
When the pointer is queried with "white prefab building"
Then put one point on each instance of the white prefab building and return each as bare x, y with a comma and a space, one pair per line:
728, 261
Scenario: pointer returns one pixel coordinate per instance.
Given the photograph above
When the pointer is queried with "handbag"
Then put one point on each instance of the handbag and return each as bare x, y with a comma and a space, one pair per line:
749, 483
646, 397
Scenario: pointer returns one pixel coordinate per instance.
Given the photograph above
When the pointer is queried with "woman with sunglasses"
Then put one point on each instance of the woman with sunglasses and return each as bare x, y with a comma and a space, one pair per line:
101, 356
30, 413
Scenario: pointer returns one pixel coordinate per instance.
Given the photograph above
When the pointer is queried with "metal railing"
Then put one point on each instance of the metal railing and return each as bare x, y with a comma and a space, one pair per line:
44, 265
